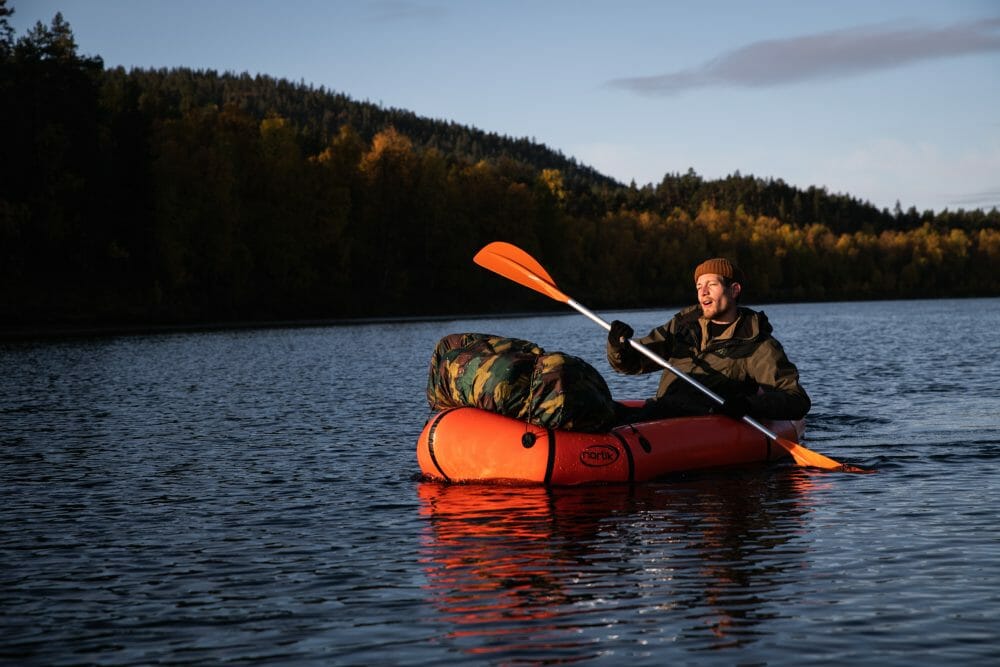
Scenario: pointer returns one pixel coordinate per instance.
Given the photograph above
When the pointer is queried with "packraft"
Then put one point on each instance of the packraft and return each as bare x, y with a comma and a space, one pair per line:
469, 445
517, 378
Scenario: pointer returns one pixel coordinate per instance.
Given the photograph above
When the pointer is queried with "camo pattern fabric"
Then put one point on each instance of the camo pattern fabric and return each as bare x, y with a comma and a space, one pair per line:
482, 371
518, 379
568, 393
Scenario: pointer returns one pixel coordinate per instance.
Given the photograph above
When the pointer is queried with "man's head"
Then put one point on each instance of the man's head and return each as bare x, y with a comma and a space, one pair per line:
718, 284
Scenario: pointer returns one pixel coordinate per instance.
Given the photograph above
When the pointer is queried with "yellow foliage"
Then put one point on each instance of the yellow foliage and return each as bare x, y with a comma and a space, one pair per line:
553, 180
988, 245
388, 146
272, 124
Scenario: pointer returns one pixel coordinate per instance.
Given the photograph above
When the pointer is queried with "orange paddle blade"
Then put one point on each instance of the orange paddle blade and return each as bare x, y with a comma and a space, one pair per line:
513, 263
807, 457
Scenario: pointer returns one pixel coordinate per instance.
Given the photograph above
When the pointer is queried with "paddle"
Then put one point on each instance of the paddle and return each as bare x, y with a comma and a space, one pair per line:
515, 264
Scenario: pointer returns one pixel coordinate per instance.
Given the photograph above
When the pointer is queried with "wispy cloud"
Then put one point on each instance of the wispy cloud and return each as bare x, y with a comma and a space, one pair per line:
395, 10
986, 199
827, 55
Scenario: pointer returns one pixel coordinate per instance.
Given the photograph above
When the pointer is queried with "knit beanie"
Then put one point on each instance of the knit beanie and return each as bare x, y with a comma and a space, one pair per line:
721, 267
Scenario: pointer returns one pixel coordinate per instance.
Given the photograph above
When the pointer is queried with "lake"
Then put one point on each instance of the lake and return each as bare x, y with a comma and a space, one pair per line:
253, 497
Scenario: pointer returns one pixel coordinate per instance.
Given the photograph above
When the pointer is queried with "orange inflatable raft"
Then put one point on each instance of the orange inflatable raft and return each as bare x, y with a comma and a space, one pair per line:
471, 445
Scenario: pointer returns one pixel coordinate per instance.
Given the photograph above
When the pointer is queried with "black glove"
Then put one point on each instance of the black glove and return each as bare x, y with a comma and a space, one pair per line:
735, 407
619, 331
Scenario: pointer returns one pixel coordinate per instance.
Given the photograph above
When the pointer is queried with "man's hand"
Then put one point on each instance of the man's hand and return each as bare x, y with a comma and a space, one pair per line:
619, 334
735, 407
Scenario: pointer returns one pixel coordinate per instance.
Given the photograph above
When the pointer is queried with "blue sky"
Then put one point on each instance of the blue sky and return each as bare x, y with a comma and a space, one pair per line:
887, 101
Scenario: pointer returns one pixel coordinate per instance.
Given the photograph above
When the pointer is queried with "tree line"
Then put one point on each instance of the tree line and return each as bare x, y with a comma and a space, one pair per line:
183, 196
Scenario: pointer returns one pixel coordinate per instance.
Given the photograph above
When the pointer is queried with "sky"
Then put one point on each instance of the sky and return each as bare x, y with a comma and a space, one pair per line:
889, 101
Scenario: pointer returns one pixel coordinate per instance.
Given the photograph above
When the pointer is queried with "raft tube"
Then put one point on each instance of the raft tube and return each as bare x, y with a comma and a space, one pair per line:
467, 444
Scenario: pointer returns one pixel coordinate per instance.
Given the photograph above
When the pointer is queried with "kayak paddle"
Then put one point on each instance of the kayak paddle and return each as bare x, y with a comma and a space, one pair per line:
515, 264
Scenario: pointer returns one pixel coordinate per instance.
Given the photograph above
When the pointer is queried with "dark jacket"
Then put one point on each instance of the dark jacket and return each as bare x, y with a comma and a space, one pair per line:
743, 359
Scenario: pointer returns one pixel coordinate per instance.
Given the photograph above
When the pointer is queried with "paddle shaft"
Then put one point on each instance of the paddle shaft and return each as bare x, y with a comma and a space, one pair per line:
583, 310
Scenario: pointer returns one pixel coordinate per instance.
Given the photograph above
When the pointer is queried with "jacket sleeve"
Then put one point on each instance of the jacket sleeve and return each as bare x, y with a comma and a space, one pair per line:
782, 396
631, 362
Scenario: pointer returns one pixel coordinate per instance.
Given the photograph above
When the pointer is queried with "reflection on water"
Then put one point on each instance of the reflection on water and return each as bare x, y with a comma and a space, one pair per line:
525, 572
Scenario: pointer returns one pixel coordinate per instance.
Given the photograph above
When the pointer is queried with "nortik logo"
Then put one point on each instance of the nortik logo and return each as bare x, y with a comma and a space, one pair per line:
597, 456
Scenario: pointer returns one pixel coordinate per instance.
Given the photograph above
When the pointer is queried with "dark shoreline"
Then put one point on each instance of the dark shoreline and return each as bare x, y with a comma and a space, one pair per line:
65, 331
57, 332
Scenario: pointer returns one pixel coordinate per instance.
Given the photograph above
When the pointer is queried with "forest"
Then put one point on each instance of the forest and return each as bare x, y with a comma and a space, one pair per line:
176, 196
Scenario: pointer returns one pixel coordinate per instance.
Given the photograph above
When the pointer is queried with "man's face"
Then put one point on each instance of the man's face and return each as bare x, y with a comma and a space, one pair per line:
717, 301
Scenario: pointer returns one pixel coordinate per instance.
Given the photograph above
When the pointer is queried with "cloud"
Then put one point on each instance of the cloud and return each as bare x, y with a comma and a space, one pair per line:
986, 200
836, 54
396, 10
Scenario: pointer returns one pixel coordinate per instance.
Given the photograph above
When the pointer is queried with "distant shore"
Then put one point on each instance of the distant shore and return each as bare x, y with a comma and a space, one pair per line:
29, 333
70, 331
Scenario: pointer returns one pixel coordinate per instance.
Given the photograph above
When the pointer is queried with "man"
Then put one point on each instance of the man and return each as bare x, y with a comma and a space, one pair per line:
722, 345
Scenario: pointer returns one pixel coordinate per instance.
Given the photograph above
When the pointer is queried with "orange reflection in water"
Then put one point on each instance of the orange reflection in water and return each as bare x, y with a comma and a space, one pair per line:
497, 564
536, 573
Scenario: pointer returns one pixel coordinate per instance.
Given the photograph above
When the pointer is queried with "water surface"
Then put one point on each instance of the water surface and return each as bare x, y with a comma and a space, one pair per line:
253, 497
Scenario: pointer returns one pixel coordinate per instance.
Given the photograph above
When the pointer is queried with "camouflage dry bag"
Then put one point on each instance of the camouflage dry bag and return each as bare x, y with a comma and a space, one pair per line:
518, 379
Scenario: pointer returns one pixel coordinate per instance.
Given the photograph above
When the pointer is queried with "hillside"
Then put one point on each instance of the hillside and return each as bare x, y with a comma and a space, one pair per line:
318, 115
